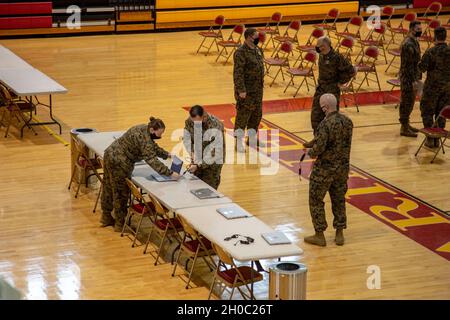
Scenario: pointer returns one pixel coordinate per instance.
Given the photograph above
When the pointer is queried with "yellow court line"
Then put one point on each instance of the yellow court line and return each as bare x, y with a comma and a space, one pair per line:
52, 133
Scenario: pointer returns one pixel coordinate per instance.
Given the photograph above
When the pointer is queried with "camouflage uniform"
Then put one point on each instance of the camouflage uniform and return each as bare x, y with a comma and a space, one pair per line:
330, 171
119, 159
409, 73
436, 63
209, 173
248, 77
334, 69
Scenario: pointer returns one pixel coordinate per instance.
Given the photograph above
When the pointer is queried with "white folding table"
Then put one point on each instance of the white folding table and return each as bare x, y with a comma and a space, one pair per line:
9, 60
175, 195
216, 228
28, 82
99, 141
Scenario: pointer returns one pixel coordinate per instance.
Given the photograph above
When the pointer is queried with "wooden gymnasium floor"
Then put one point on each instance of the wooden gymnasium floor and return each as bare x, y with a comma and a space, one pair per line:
52, 248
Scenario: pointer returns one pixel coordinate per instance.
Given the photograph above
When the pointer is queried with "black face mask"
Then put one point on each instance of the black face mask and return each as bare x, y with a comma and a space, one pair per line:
418, 34
256, 41
154, 136
318, 49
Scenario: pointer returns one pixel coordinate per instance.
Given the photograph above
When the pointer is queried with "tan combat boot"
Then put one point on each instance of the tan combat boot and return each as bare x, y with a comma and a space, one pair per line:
404, 131
318, 239
339, 237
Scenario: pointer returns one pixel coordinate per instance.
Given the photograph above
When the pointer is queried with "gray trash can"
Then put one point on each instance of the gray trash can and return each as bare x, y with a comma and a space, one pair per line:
287, 281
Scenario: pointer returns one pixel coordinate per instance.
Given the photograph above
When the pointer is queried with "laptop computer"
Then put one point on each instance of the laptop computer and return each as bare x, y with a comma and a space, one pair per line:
176, 166
233, 212
276, 237
205, 193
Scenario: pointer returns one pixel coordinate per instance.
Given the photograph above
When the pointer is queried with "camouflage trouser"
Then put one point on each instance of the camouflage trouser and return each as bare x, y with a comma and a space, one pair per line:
317, 115
210, 174
431, 104
248, 110
407, 100
323, 181
115, 191
247, 119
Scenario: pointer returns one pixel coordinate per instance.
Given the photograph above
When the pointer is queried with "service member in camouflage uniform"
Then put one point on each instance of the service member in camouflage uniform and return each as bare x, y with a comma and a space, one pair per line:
248, 77
409, 76
210, 166
436, 91
137, 144
334, 70
330, 171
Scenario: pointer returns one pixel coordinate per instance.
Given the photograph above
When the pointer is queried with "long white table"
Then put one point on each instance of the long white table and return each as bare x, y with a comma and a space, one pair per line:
216, 228
175, 195
28, 82
99, 141
9, 60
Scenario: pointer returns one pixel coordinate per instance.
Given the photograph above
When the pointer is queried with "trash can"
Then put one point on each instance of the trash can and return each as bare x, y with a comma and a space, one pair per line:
73, 151
287, 281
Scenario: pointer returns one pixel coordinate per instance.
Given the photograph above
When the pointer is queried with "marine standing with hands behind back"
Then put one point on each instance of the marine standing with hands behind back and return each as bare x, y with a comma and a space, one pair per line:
409, 77
330, 170
137, 144
248, 77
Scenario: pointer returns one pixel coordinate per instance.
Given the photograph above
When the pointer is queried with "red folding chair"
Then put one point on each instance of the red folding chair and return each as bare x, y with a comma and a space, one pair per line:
374, 38
329, 23
272, 28
395, 53
428, 34
367, 66
347, 44
165, 226
349, 89
12, 107
306, 72
196, 246
281, 60
138, 207
395, 83
231, 275
436, 133
213, 34
290, 35
388, 12
232, 43
432, 12
403, 27
310, 45
352, 29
